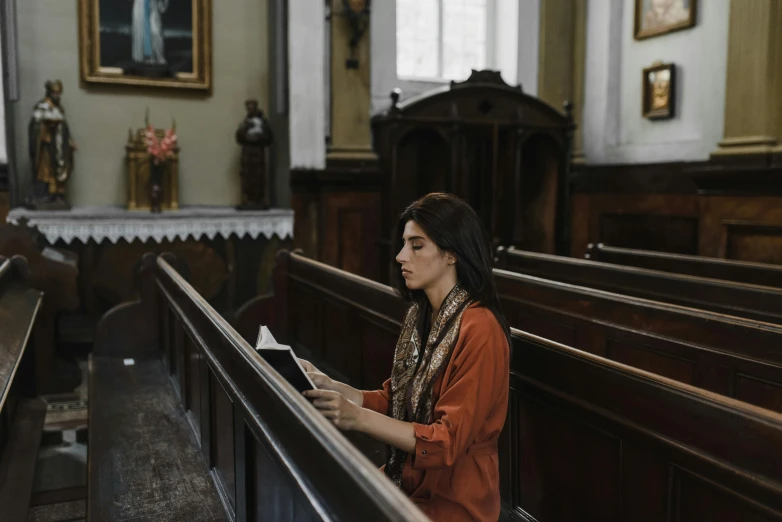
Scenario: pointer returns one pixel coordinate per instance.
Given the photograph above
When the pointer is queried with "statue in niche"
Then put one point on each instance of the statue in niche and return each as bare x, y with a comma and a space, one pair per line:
51, 151
254, 135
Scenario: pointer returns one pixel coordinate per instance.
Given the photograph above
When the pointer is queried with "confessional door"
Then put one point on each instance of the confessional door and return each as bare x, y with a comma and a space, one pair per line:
511, 177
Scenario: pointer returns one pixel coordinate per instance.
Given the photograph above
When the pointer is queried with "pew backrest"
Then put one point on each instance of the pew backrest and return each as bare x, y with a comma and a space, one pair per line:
21, 414
271, 452
591, 439
732, 356
19, 306
725, 297
761, 274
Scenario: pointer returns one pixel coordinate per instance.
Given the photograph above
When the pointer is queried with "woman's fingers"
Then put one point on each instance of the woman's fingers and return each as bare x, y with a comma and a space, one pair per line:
326, 404
308, 366
318, 378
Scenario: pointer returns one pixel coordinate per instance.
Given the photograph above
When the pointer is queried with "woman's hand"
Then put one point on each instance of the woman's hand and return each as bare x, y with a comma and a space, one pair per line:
318, 378
344, 414
324, 382
308, 366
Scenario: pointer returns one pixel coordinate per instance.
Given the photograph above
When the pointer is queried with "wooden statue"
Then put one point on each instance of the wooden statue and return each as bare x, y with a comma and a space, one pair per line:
51, 151
254, 135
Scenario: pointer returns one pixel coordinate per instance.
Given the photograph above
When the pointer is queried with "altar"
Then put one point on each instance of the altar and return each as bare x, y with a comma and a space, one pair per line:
227, 254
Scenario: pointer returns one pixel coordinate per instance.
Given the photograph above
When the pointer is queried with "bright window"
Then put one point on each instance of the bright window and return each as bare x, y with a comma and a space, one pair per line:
442, 39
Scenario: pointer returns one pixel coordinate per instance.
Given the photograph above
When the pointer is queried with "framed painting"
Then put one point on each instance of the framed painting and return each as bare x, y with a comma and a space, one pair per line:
657, 17
151, 43
659, 91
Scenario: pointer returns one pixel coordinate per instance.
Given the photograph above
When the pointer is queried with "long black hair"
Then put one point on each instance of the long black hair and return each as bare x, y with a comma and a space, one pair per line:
454, 227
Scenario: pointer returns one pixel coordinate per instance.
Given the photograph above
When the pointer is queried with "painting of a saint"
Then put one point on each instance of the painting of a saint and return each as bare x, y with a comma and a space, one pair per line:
659, 91
661, 82
147, 42
656, 17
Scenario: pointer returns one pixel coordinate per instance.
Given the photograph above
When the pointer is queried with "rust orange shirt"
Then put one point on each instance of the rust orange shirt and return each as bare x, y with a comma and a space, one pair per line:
453, 475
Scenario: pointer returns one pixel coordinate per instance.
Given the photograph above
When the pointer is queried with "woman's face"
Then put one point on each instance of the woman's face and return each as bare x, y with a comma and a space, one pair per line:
423, 263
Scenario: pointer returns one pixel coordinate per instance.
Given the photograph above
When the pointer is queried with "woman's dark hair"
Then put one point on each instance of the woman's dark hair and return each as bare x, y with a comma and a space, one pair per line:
454, 227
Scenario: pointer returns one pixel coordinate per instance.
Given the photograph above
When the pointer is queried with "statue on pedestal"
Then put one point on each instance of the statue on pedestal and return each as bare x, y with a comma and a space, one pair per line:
51, 151
254, 135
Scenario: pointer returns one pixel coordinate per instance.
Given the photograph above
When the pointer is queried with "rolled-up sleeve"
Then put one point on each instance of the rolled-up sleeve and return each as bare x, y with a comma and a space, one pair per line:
378, 400
467, 400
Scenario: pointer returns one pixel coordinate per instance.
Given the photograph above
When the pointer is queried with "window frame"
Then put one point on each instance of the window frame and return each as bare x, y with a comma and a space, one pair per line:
491, 44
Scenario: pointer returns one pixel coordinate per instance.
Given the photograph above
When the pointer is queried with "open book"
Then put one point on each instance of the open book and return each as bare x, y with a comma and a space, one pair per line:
282, 359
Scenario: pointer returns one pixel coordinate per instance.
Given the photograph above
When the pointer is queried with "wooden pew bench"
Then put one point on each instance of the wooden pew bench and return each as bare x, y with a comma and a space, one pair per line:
586, 438
725, 297
22, 415
732, 356
255, 450
712, 267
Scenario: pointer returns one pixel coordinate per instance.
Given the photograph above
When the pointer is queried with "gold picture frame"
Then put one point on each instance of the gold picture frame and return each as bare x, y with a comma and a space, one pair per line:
659, 17
146, 43
659, 91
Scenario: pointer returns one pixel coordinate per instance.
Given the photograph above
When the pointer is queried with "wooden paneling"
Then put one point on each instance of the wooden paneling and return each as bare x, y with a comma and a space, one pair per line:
5, 205
554, 466
742, 228
673, 234
670, 222
747, 241
337, 214
193, 402
695, 498
731, 211
660, 363
223, 439
758, 391
350, 224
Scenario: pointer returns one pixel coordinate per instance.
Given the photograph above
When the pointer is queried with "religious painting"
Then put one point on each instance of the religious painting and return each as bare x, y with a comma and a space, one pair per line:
659, 91
657, 17
152, 43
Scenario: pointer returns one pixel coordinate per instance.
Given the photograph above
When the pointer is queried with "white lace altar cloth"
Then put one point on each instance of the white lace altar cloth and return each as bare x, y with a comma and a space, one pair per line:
115, 223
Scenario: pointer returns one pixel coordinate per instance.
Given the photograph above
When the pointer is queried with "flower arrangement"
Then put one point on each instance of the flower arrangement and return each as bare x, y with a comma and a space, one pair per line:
160, 150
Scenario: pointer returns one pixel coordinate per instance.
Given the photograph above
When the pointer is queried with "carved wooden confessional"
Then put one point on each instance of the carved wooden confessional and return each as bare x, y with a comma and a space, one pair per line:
505, 152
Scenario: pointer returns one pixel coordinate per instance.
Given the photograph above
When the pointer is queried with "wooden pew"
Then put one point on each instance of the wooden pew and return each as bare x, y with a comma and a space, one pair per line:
725, 297
712, 267
267, 452
54, 272
732, 356
591, 439
21, 413
586, 438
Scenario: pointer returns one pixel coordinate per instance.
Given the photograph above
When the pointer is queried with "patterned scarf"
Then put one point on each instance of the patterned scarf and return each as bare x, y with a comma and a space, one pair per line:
412, 384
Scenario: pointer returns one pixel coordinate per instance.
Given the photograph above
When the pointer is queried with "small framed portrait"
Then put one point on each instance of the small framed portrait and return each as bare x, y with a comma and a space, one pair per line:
151, 43
659, 91
657, 17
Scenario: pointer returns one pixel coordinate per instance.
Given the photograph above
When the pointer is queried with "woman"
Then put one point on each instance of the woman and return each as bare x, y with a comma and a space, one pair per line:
443, 408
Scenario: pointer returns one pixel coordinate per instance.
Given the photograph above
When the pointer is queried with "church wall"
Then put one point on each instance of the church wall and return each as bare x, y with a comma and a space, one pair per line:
614, 129
99, 117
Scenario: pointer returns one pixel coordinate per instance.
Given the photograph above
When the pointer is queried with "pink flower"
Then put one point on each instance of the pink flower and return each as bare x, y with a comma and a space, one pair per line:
159, 150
